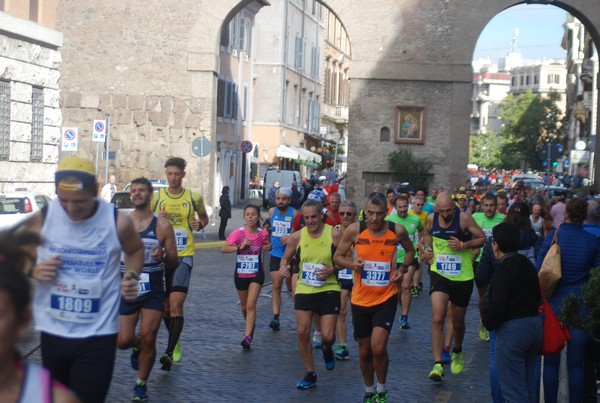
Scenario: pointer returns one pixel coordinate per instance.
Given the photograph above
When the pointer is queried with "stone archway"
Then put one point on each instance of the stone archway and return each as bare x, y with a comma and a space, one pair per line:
404, 53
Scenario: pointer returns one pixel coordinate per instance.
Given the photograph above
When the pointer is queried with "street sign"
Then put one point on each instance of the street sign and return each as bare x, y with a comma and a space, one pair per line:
201, 147
70, 137
247, 146
99, 131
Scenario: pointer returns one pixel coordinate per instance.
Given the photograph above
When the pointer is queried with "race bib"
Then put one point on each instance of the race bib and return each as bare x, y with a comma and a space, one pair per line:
144, 284
345, 274
309, 274
181, 238
247, 264
449, 265
75, 301
376, 274
281, 228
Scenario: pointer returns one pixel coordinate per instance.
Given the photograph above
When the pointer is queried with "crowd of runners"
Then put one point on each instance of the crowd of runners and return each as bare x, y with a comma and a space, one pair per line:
106, 280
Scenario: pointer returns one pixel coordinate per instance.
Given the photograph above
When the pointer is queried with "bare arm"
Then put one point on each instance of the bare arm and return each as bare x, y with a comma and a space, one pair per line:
477, 235
290, 249
343, 253
133, 249
166, 237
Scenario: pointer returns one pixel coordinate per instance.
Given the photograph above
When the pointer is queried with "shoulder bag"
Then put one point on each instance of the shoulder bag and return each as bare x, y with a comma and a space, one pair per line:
550, 272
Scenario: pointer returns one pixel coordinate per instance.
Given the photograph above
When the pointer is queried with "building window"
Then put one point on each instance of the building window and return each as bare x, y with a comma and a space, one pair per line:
315, 65
553, 79
37, 125
221, 98
34, 7
299, 53
527, 80
228, 98
522, 81
245, 104
536, 80
384, 134
4, 121
514, 81
313, 118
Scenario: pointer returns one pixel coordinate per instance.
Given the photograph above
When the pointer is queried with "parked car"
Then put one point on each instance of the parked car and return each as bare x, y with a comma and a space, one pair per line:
156, 184
528, 182
551, 191
285, 179
122, 201
16, 206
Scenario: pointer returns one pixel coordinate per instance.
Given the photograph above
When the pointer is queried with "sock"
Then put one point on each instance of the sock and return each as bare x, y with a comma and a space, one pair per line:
370, 389
457, 350
447, 348
140, 382
317, 333
249, 337
167, 321
276, 316
381, 387
438, 362
175, 328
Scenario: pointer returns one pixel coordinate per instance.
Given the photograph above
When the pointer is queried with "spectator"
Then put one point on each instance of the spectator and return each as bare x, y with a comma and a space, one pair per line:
557, 211
296, 196
109, 190
272, 193
580, 252
224, 212
510, 308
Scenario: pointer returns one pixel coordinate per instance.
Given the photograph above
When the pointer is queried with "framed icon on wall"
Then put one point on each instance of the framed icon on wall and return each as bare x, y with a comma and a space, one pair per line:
409, 124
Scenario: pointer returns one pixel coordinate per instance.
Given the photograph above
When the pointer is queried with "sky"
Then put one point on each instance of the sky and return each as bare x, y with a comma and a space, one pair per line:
541, 28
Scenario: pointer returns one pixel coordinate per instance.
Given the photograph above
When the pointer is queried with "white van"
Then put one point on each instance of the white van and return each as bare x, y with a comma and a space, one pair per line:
285, 179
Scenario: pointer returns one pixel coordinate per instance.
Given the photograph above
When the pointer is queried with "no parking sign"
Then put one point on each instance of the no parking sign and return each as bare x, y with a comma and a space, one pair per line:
99, 131
70, 137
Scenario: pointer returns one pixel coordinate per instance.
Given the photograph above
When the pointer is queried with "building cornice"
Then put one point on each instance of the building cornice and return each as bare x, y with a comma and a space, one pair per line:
30, 31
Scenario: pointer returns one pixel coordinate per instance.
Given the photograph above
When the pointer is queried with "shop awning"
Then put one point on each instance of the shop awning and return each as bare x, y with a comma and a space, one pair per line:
284, 151
307, 155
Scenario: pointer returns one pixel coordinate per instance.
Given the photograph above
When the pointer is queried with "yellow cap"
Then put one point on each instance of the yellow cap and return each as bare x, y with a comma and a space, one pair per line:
76, 164
462, 196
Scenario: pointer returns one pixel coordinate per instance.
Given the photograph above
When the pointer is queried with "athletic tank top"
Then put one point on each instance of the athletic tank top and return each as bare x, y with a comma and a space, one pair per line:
412, 225
180, 210
487, 225
372, 286
37, 384
537, 226
84, 299
314, 253
248, 260
345, 274
281, 225
451, 264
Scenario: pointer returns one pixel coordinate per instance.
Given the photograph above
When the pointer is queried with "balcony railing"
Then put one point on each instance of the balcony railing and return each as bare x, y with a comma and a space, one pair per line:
337, 113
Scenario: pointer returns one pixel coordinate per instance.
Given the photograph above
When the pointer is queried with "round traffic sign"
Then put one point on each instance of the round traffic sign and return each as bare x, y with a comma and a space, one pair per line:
201, 147
247, 146
99, 127
70, 134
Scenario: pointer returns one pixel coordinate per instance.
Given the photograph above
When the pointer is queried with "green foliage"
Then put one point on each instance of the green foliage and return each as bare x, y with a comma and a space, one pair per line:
590, 297
409, 167
486, 150
530, 121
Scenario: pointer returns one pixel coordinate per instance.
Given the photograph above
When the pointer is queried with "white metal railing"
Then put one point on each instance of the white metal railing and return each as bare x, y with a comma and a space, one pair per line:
336, 112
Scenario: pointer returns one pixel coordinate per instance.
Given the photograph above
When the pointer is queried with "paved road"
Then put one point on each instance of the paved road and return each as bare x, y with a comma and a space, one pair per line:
215, 369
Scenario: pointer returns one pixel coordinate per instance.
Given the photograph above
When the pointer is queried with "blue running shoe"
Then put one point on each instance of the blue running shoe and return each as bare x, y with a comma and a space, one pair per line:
309, 381
274, 324
329, 358
446, 357
140, 393
134, 359
404, 322
341, 352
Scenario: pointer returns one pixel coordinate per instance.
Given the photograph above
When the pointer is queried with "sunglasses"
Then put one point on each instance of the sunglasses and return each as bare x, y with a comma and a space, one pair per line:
419, 205
346, 213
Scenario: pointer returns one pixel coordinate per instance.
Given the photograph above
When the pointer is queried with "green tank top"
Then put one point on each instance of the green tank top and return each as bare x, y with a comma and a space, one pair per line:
313, 254
412, 224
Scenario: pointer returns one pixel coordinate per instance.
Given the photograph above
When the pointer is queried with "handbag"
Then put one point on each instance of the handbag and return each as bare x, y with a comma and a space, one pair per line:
556, 333
550, 272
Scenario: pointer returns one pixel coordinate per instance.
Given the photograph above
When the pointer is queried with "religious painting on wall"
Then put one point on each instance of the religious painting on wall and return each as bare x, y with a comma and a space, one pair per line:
410, 124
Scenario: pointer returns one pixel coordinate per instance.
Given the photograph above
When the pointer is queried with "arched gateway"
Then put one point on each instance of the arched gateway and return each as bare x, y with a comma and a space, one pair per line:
153, 66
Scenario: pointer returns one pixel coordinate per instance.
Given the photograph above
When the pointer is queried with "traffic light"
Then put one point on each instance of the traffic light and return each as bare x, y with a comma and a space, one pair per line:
554, 164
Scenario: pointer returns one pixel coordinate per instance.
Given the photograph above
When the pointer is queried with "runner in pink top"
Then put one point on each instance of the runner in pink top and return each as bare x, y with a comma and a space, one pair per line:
248, 242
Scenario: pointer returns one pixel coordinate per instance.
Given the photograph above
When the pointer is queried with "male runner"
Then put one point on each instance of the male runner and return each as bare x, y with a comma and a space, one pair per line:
447, 242
279, 222
413, 227
160, 250
317, 291
76, 305
375, 288
502, 202
418, 206
332, 210
487, 220
185, 211
348, 213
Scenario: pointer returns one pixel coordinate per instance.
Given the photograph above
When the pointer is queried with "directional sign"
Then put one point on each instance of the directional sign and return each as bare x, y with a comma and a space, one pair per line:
99, 131
70, 137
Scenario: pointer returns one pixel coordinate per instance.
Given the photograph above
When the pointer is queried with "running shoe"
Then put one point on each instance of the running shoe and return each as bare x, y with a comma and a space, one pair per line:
382, 397
414, 291
309, 381
317, 341
371, 398
246, 342
140, 393
274, 324
134, 359
341, 352
437, 373
404, 322
329, 358
446, 357
484, 335
457, 363
167, 362
177, 354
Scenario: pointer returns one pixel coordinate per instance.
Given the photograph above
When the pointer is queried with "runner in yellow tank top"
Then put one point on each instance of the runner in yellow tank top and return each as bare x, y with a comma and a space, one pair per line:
375, 287
318, 291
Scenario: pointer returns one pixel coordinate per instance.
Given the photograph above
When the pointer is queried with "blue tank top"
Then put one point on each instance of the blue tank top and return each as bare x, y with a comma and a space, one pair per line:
454, 229
150, 240
281, 225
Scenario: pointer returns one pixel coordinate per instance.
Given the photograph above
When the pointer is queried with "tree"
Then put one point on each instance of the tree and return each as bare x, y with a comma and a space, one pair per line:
590, 298
409, 167
486, 149
530, 122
